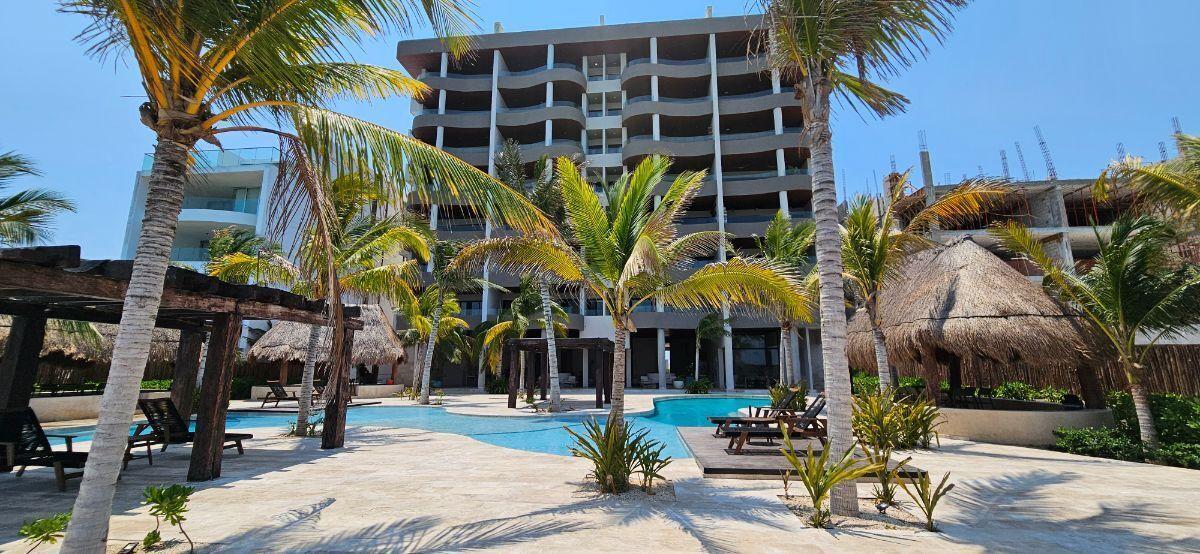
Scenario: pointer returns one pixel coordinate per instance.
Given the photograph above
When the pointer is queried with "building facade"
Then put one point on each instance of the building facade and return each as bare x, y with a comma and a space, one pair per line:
614, 94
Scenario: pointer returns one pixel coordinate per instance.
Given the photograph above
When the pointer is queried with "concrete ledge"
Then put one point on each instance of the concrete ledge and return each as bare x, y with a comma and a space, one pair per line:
1016, 427
81, 406
360, 391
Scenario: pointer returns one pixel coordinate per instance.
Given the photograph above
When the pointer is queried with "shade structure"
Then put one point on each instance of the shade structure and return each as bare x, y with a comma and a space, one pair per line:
959, 306
376, 343
63, 344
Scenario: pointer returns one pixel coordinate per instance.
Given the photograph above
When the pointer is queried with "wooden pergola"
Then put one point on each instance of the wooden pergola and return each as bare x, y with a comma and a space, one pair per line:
598, 350
52, 282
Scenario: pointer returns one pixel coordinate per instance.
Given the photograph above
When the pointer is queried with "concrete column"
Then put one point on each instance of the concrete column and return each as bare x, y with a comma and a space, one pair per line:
780, 163
775, 88
493, 132
778, 114
549, 56
727, 343
783, 204
716, 131
662, 358
444, 65
441, 101
582, 301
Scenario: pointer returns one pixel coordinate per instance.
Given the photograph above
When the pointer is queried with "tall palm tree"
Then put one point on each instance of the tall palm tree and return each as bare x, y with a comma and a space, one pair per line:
527, 309
816, 44
213, 66
543, 192
875, 240
359, 241
25, 216
1172, 186
788, 244
447, 279
627, 251
1135, 288
418, 312
713, 328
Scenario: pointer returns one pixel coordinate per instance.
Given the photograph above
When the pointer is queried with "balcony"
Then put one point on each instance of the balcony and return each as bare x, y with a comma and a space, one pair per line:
209, 160
189, 254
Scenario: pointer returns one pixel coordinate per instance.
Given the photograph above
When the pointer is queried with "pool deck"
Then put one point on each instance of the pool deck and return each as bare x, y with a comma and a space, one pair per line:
420, 491
758, 460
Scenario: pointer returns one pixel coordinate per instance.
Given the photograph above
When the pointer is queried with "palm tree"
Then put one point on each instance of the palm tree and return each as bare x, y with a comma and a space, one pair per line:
627, 251
875, 240
1172, 186
815, 44
543, 192
788, 244
527, 309
212, 66
447, 280
229, 240
25, 216
713, 328
1135, 288
359, 241
418, 312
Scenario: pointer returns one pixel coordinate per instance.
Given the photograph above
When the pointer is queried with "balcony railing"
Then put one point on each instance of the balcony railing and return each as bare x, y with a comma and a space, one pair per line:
233, 157
648, 98
223, 204
189, 254
559, 65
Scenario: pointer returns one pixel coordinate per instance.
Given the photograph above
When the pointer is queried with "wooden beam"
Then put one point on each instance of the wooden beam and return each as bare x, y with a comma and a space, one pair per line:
19, 365
56, 311
49, 256
333, 435
187, 365
214, 398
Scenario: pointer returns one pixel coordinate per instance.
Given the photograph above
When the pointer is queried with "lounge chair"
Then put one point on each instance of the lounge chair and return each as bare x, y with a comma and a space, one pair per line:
798, 427
761, 415
165, 426
278, 394
24, 443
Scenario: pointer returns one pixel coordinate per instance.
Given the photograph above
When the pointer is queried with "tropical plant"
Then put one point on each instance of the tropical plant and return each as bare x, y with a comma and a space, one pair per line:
25, 216
816, 44
231, 240
544, 193
875, 241
446, 279
886, 473
1102, 442
820, 475
876, 420
627, 251
699, 386
650, 462
358, 242
497, 386
418, 314
778, 391
210, 67
46, 530
926, 496
612, 449
169, 504
788, 244
525, 311
711, 328
1134, 288
1172, 186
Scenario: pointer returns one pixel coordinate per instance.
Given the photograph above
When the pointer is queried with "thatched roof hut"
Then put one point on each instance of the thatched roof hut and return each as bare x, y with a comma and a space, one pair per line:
962, 309
65, 346
376, 343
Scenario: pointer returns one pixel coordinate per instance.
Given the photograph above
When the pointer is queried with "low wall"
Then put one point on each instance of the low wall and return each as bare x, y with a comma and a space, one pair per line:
360, 391
1016, 427
76, 406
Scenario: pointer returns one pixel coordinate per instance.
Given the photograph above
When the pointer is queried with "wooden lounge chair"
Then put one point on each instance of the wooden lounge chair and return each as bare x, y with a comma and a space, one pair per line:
24, 443
278, 394
805, 426
761, 415
165, 426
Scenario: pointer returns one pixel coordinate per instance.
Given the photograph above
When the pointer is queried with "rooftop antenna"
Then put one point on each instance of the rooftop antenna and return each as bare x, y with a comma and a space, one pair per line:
1162, 150
1004, 163
844, 197
926, 170
1120, 151
893, 163
1021, 160
1051, 174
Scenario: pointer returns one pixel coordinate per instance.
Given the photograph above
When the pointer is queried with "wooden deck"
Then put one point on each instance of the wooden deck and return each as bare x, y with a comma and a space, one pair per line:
758, 460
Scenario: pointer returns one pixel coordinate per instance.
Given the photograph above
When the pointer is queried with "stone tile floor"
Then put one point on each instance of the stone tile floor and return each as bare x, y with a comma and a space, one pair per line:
418, 491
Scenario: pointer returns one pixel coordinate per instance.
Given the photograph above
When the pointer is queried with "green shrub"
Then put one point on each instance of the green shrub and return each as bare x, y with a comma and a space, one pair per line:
497, 386
778, 391
1176, 417
699, 386
1101, 442
239, 387
926, 496
883, 423
169, 503
611, 449
866, 382
46, 530
156, 384
1179, 455
1050, 393
1015, 390
651, 462
819, 475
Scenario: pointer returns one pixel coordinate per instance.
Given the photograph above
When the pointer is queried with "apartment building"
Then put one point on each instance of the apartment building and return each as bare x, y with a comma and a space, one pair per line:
615, 94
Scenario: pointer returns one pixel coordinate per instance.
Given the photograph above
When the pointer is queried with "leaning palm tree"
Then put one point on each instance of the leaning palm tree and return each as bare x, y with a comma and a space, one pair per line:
713, 328
25, 216
418, 312
447, 279
359, 241
1172, 186
527, 309
788, 244
817, 44
627, 252
210, 67
875, 240
1135, 288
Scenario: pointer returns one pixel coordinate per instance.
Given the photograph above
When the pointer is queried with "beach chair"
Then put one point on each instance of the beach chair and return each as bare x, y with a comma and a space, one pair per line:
760, 415
278, 394
165, 426
24, 443
798, 427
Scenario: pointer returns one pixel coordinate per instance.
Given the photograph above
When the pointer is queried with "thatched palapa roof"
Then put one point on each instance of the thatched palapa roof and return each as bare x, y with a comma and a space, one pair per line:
961, 300
75, 348
376, 343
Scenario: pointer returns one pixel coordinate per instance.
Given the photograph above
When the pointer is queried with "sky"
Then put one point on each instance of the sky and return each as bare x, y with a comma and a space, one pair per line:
1090, 73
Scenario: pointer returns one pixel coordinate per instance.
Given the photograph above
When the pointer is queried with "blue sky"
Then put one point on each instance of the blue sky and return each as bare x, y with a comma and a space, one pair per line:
1091, 72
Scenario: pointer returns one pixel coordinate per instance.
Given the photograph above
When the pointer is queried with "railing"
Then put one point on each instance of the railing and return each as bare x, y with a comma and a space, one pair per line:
752, 175
649, 98
434, 111
756, 94
223, 204
664, 61
233, 157
665, 138
757, 134
557, 103
559, 65
428, 73
189, 254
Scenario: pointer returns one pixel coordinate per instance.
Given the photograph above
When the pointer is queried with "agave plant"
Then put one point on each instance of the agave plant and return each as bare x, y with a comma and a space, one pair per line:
612, 449
820, 475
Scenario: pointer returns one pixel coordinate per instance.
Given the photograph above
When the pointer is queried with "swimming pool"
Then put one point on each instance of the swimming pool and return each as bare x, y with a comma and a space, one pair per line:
534, 434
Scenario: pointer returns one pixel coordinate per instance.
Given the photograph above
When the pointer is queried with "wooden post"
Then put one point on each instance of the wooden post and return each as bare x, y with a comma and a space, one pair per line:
597, 376
214, 398
530, 375
508, 364
187, 365
283, 371
954, 376
19, 366
334, 433
1089, 385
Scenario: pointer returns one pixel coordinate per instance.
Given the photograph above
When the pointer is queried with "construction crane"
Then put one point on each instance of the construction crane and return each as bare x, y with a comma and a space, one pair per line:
1120, 151
1051, 174
1004, 163
1178, 131
893, 163
1162, 150
1021, 160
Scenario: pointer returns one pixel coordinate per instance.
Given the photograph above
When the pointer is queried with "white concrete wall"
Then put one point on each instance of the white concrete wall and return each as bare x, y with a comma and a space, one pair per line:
362, 391
66, 408
1016, 427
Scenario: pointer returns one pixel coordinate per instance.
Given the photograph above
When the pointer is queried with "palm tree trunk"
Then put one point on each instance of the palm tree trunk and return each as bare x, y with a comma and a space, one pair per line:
551, 348
306, 379
88, 529
844, 498
427, 364
418, 364
616, 416
882, 366
696, 365
1141, 407
785, 352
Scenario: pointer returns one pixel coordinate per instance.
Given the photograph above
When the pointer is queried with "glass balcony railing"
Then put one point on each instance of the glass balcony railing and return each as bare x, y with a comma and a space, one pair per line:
233, 157
189, 254
246, 206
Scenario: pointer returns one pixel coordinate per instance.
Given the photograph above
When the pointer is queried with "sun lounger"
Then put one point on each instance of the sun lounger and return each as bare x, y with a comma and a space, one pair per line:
797, 428
278, 394
165, 426
23, 443
766, 415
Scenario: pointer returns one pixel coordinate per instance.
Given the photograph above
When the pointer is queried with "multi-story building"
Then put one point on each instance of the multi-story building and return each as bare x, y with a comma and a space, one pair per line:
614, 94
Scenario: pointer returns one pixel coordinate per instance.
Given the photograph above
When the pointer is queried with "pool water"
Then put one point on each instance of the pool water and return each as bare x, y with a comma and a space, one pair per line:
534, 434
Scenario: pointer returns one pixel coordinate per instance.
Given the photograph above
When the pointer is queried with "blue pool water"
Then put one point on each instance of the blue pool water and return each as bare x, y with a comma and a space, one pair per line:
534, 434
